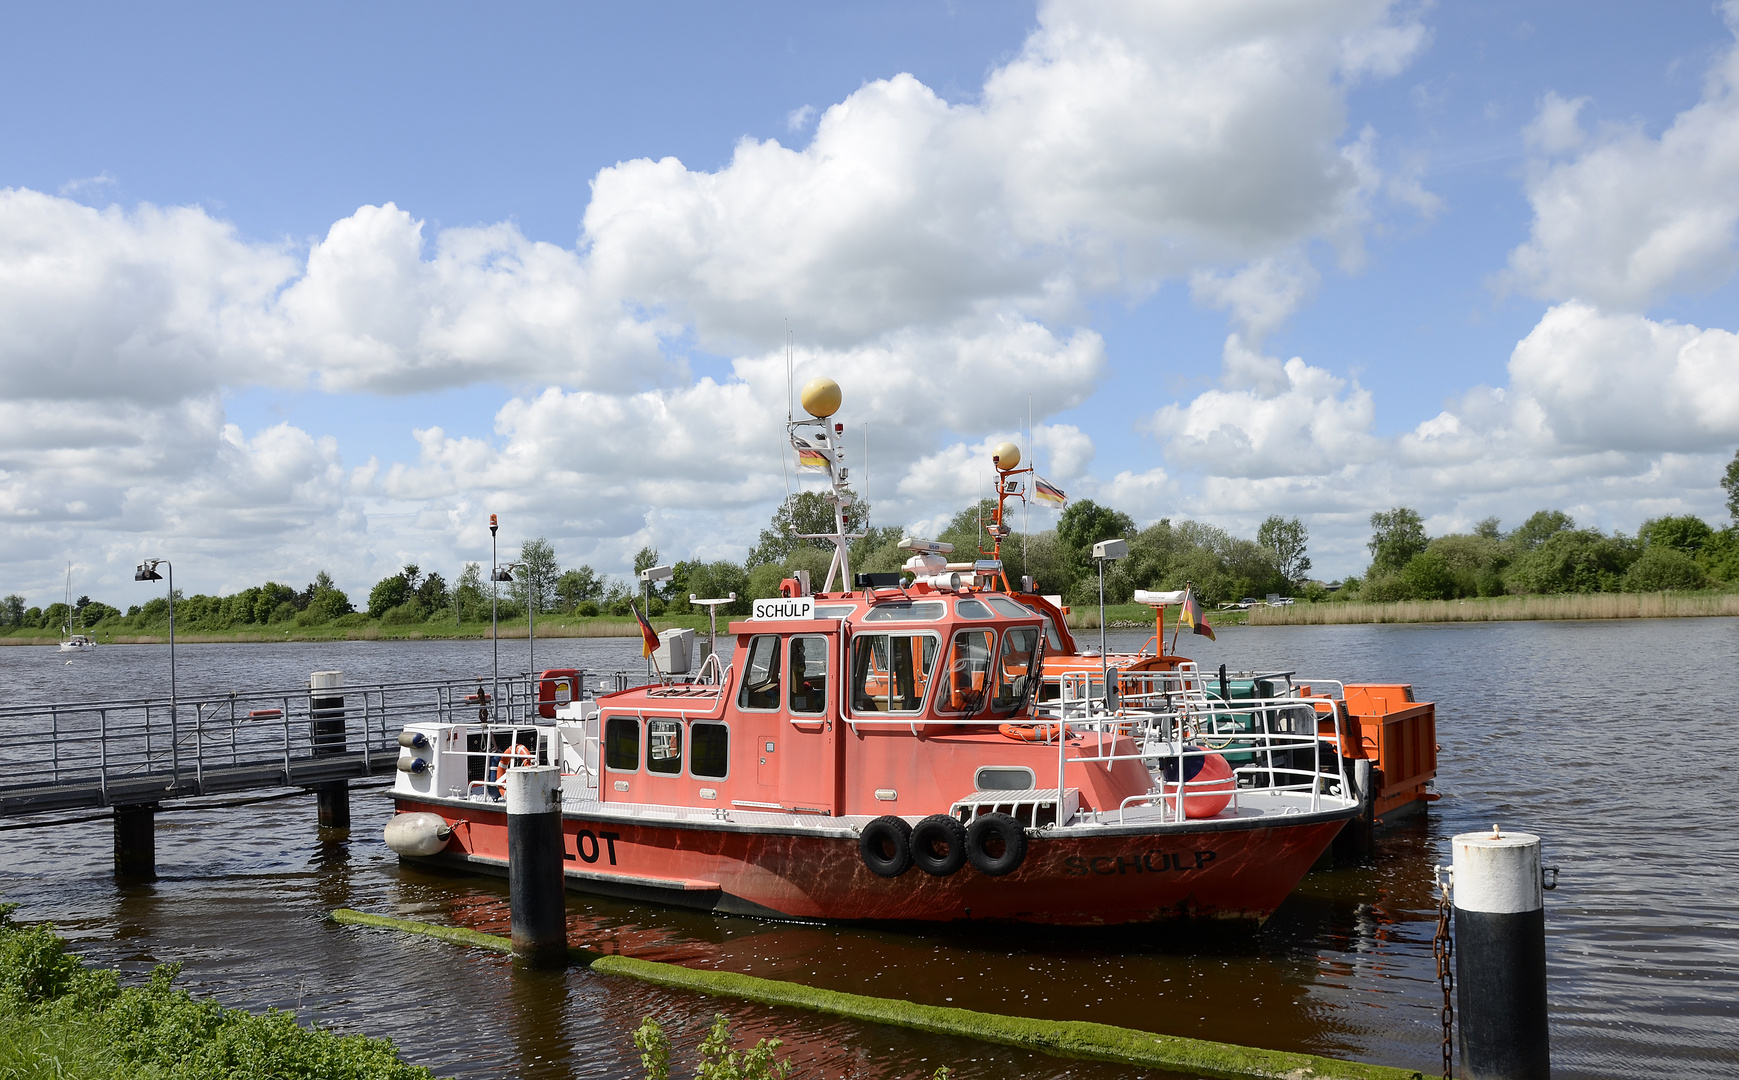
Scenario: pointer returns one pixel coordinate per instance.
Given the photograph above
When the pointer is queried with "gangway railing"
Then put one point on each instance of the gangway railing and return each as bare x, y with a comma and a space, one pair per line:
61, 755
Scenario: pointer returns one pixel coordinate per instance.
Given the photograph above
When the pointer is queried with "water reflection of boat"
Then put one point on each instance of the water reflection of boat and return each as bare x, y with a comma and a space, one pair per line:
894, 753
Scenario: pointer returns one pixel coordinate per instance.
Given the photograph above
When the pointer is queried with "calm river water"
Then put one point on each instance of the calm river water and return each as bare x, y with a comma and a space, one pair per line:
1616, 741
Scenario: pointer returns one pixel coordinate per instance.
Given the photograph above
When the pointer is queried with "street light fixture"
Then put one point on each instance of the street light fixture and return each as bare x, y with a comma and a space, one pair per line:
1103, 552
504, 572
712, 611
147, 571
647, 577
495, 573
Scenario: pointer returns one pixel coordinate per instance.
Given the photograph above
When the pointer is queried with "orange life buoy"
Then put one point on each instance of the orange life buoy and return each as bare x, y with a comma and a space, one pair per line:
518, 755
1028, 732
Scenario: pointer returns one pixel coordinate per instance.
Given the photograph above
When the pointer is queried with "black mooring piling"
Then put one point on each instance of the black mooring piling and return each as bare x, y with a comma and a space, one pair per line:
327, 737
1500, 957
136, 842
534, 866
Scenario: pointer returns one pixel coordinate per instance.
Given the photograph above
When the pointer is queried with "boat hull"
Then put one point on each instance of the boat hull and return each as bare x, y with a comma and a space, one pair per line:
1237, 870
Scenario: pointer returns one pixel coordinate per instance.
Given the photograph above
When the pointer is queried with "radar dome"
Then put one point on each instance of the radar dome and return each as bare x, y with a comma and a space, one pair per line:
820, 398
1007, 456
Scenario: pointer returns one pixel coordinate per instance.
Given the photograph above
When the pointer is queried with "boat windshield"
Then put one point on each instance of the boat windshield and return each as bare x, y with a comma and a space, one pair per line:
916, 611
891, 672
1015, 667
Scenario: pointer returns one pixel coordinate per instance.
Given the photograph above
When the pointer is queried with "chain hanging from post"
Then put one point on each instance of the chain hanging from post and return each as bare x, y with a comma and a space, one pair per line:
1443, 950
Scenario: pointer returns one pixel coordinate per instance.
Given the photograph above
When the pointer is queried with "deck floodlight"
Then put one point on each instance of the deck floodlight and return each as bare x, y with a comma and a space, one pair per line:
657, 573
1111, 549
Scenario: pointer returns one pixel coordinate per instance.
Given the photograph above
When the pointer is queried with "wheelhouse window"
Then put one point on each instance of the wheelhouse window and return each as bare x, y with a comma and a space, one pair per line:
664, 746
1014, 667
622, 743
761, 674
710, 750
808, 673
913, 611
890, 673
973, 609
1010, 608
968, 670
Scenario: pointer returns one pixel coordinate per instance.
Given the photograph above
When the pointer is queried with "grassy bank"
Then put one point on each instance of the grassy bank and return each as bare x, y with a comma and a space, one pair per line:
1657, 605
560, 626
63, 1020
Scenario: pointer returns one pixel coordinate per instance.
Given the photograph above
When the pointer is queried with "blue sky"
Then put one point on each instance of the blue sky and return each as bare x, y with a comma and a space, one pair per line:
246, 256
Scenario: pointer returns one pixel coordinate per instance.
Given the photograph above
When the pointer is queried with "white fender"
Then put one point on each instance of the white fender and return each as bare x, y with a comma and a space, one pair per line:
417, 834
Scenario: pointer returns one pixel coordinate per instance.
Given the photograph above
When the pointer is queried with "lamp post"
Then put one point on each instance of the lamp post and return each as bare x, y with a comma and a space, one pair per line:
647, 577
147, 571
1106, 551
501, 573
494, 640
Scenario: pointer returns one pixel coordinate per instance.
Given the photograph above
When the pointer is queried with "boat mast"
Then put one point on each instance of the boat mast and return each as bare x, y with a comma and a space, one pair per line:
823, 450
1006, 459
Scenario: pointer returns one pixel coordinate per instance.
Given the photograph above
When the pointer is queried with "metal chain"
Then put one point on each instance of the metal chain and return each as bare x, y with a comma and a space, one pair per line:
1443, 949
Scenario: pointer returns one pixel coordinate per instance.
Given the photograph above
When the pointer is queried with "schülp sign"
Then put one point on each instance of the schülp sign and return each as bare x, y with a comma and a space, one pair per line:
780, 607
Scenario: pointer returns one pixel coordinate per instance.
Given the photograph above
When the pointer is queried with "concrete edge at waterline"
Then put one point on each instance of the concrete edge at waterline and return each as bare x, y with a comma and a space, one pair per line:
1060, 1038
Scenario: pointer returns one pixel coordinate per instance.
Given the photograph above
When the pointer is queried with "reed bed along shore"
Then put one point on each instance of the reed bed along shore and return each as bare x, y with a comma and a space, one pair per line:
1658, 605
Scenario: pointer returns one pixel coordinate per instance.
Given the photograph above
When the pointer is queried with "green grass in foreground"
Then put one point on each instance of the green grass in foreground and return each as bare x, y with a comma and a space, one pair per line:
62, 1020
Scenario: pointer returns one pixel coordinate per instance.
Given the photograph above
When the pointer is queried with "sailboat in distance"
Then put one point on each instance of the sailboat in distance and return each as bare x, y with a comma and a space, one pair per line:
69, 641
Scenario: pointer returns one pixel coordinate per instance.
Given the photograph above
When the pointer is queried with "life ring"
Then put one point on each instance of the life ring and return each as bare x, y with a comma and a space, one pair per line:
886, 846
996, 844
939, 845
1028, 732
518, 754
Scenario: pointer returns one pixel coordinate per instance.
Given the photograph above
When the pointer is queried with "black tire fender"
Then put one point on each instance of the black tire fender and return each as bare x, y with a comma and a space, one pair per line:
886, 846
996, 844
939, 845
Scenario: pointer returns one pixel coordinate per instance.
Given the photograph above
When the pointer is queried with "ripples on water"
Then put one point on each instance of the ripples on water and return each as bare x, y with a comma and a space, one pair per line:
1614, 740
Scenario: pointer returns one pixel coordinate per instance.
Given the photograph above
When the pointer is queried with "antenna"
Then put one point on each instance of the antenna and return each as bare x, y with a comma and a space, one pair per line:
866, 488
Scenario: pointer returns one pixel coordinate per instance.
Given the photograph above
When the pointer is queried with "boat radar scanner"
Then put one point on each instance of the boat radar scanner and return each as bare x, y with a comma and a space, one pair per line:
1006, 457
820, 398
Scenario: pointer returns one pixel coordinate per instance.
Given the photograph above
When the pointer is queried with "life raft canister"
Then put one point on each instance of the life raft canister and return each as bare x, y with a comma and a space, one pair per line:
1208, 782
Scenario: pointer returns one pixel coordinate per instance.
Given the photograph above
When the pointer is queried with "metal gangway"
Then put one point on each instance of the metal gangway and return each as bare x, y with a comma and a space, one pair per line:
84, 755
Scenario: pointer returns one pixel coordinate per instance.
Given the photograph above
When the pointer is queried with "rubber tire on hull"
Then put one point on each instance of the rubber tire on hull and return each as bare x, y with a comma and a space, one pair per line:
995, 832
886, 846
939, 845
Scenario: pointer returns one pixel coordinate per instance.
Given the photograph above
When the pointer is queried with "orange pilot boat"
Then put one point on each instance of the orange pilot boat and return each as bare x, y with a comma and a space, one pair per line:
905, 752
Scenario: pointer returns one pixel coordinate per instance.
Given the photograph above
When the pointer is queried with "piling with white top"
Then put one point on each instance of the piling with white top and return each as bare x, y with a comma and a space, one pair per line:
534, 865
326, 736
1500, 956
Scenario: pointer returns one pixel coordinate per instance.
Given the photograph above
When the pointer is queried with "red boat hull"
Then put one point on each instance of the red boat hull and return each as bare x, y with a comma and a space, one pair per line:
1223, 870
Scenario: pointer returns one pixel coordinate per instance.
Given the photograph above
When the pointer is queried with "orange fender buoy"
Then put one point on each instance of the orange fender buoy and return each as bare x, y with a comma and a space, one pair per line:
1208, 783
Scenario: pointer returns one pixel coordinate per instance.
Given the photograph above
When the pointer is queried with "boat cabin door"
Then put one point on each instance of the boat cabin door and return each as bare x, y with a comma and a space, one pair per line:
788, 701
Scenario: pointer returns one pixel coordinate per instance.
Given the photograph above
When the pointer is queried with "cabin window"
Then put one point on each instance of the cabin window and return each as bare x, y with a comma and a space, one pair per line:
836, 611
1014, 667
622, 743
915, 611
969, 670
664, 746
808, 673
973, 609
891, 672
1010, 608
761, 674
1003, 778
1053, 641
710, 750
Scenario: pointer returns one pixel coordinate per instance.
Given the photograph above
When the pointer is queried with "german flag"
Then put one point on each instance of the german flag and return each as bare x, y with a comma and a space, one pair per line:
648, 639
1191, 616
809, 458
1046, 492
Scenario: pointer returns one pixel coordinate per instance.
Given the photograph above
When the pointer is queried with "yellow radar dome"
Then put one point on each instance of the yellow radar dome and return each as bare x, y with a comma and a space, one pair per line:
820, 398
1007, 456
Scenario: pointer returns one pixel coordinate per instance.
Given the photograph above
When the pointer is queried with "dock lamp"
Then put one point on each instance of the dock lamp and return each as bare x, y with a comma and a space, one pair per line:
147, 571
1103, 552
647, 577
494, 641
497, 574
